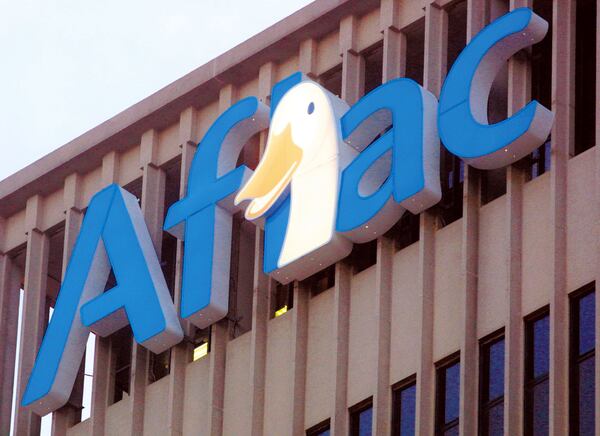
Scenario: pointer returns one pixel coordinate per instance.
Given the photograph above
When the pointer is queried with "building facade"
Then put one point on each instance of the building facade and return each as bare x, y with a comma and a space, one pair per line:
476, 316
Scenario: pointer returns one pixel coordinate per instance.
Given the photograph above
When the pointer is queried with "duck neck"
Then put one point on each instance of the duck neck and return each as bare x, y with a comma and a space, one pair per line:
311, 224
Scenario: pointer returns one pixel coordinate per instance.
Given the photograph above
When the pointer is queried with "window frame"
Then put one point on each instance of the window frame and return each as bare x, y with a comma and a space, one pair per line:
485, 404
397, 390
354, 415
440, 424
530, 382
575, 359
318, 429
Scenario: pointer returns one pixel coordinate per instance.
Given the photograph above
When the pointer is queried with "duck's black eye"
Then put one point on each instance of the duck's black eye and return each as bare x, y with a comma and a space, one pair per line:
311, 108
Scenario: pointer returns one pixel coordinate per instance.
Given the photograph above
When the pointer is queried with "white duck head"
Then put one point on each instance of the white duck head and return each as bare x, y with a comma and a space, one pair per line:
306, 153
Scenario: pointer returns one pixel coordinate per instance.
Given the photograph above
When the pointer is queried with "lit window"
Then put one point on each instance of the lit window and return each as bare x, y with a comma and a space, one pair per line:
404, 407
537, 366
201, 343
200, 351
583, 351
492, 387
283, 299
447, 397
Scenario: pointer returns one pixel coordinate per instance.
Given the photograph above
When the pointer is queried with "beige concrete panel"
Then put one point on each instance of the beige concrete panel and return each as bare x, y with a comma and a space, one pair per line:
328, 53
448, 308
206, 117
238, 391
405, 319
493, 271
168, 144
287, 67
408, 14
155, 420
196, 405
91, 183
581, 249
129, 166
248, 89
278, 377
14, 231
368, 31
53, 210
118, 418
319, 359
84, 428
362, 348
537, 246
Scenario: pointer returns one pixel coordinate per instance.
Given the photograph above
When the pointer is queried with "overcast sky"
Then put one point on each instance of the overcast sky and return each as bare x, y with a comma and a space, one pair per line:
68, 65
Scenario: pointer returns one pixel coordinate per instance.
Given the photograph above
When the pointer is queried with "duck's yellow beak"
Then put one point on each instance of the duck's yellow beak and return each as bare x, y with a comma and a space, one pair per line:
272, 175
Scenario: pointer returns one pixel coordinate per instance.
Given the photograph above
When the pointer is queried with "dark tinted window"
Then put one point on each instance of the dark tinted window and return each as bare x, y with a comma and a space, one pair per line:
583, 350
448, 397
404, 407
492, 387
361, 419
537, 352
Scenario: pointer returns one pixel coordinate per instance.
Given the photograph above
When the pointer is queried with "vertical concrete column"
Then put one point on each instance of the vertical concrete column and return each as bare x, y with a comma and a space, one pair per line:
436, 31
101, 383
563, 99
469, 368
71, 412
261, 290
153, 205
220, 330
382, 400
341, 324
299, 349
519, 93
394, 41
353, 65
34, 309
9, 318
180, 353
307, 58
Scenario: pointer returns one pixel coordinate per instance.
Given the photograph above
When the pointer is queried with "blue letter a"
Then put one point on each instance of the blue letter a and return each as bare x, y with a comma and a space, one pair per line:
114, 234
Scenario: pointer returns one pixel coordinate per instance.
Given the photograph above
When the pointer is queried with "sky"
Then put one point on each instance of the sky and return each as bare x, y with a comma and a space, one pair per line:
68, 65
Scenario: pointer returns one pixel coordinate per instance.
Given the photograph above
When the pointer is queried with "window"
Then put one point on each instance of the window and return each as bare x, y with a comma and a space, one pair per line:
120, 343
541, 86
361, 419
453, 175
537, 366
283, 299
321, 429
405, 232
404, 402
447, 396
493, 184
491, 386
373, 67
201, 343
363, 256
583, 352
320, 281
332, 80
415, 52
585, 75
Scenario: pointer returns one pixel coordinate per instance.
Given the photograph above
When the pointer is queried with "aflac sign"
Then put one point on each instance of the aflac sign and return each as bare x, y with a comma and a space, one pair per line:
331, 175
